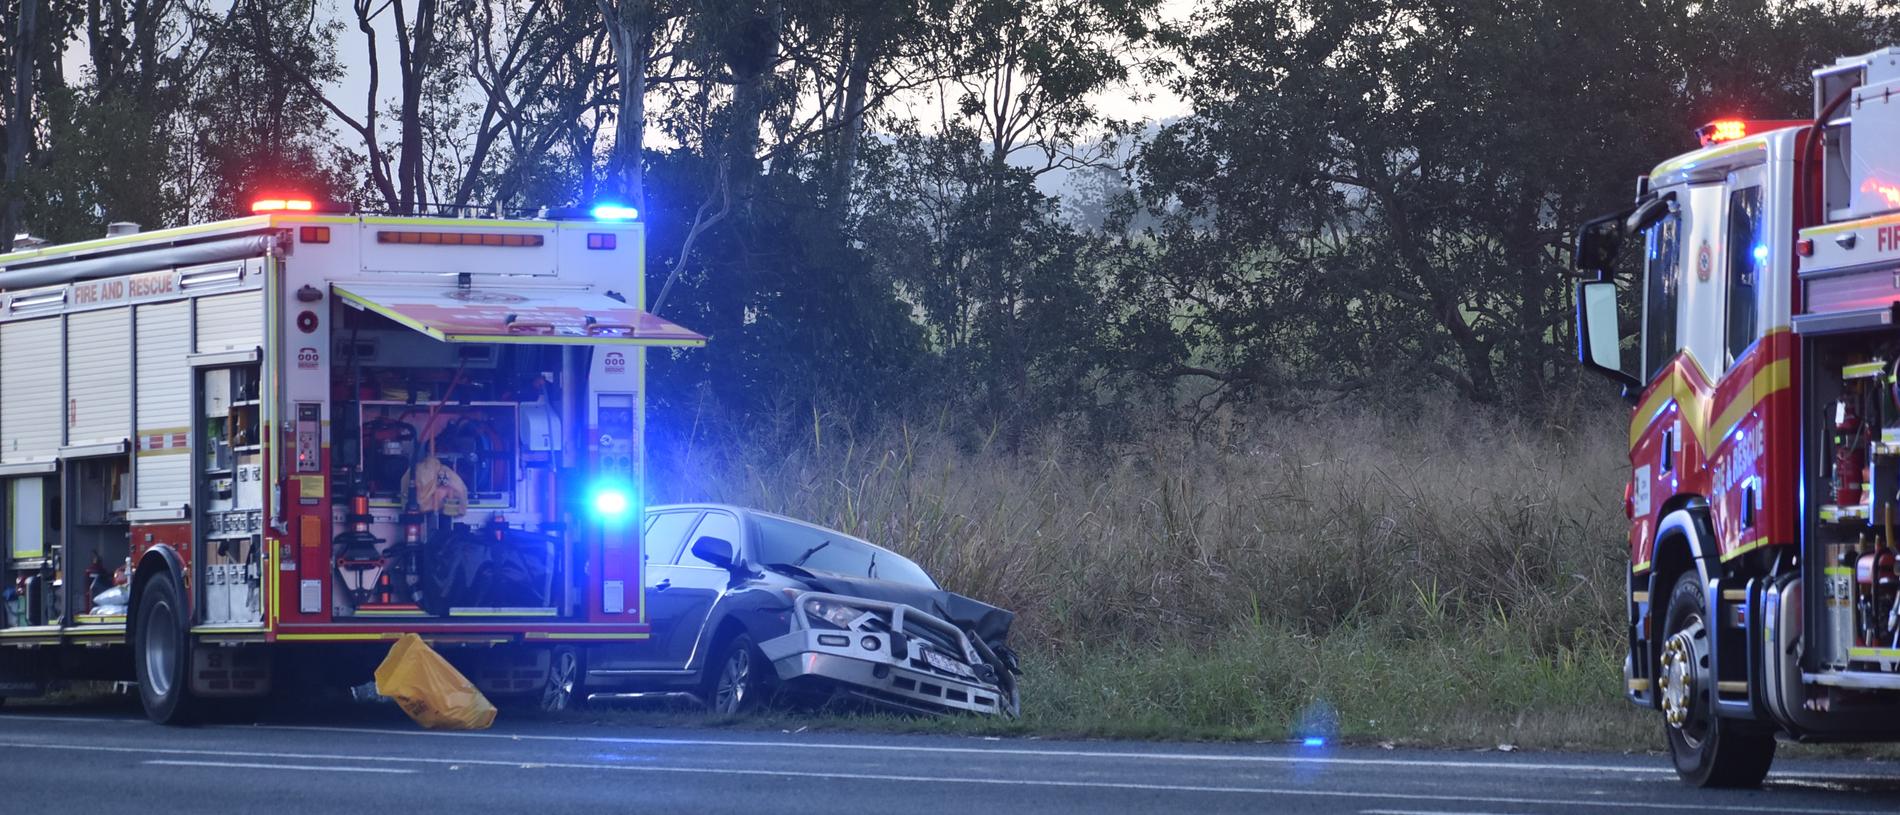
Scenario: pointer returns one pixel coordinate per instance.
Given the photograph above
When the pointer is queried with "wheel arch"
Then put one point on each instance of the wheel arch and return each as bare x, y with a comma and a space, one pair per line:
1684, 542
160, 562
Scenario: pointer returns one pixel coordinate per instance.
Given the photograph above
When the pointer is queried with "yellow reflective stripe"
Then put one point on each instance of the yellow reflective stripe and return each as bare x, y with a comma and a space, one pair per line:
1771, 379
1651, 408
540, 635
386, 635
1746, 547
1849, 226
542, 339
1768, 381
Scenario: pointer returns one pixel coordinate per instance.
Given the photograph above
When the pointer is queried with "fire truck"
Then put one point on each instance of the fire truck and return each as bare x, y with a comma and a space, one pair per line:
1763, 273
248, 454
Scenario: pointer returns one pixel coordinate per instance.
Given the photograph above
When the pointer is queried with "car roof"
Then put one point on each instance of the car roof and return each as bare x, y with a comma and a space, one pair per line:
736, 509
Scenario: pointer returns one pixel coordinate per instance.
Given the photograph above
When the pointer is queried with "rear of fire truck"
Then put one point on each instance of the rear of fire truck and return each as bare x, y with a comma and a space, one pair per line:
303, 434
1765, 441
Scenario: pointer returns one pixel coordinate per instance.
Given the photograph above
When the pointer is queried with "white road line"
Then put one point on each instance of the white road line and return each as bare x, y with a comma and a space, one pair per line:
1241, 758
1422, 812
298, 767
1411, 797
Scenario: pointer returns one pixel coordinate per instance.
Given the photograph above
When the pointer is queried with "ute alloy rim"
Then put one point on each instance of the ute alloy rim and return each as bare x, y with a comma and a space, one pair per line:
562, 673
732, 681
161, 647
1682, 680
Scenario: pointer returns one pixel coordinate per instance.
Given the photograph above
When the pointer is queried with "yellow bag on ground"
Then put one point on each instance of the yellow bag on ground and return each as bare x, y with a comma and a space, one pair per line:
430, 690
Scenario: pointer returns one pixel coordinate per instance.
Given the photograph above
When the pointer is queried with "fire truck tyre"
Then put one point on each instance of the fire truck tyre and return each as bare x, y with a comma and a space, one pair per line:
162, 654
1709, 751
738, 678
565, 689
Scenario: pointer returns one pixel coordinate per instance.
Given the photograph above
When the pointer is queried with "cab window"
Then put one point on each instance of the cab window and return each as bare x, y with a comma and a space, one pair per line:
1747, 261
1662, 273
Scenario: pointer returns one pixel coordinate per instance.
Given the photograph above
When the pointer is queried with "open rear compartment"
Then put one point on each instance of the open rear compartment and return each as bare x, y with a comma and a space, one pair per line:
445, 460
1853, 483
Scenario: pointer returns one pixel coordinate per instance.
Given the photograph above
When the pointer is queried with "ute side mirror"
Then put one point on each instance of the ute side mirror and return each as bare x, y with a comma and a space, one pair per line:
1599, 337
717, 551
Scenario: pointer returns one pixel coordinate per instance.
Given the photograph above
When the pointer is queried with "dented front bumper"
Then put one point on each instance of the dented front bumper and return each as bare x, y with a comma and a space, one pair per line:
894, 655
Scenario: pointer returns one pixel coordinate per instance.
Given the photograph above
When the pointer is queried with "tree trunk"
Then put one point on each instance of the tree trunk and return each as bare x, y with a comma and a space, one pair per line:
630, 28
417, 55
751, 63
856, 90
19, 112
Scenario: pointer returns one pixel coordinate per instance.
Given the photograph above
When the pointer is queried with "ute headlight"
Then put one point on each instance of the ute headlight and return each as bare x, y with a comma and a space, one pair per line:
831, 614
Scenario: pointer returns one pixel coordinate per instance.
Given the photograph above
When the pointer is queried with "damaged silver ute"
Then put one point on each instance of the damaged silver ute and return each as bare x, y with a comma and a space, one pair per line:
747, 606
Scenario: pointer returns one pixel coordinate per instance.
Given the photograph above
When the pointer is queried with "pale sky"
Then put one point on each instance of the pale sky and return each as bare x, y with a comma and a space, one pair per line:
1117, 103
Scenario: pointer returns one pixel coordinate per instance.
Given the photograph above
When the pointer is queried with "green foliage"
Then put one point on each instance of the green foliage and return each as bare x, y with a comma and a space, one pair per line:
862, 201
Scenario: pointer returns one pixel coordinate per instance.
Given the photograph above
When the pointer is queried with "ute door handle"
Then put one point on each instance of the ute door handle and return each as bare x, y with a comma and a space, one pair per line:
664, 584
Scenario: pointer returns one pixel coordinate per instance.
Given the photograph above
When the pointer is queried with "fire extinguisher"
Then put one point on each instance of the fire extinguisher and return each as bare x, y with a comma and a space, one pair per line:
1847, 453
95, 577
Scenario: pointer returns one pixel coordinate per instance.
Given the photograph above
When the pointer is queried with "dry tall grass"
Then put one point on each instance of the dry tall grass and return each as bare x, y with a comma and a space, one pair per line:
1440, 517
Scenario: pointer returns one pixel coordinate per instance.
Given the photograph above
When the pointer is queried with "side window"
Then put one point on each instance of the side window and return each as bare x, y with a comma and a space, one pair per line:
1747, 261
666, 534
1662, 272
27, 517
717, 525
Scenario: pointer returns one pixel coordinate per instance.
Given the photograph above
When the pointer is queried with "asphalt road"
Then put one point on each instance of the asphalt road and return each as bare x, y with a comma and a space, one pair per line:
62, 761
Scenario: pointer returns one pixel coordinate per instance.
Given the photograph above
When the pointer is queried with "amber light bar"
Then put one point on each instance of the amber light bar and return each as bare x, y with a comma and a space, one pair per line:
459, 238
1722, 130
264, 205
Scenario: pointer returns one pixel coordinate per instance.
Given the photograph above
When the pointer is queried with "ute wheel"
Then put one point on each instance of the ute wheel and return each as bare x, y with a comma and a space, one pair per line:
1709, 751
566, 676
738, 678
161, 654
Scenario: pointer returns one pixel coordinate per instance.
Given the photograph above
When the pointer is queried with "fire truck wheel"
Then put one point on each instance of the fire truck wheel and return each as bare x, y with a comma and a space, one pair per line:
565, 689
1709, 751
736, 680
162, 654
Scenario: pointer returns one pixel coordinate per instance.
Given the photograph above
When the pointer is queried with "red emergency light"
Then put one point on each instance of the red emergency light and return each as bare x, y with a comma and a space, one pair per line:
1722, 130
265, 205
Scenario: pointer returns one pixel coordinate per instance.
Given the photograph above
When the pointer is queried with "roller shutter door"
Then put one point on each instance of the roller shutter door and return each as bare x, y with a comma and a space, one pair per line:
98, 376
29, 385
163, 474
230, 322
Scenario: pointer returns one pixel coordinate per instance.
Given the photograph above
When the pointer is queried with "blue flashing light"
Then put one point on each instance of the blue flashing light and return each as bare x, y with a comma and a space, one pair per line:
1313, 741
612, 503
1761, 253
614, 212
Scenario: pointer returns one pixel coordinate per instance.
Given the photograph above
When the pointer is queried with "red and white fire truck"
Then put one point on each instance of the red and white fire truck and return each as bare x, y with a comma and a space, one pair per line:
252, 452
1765, 440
